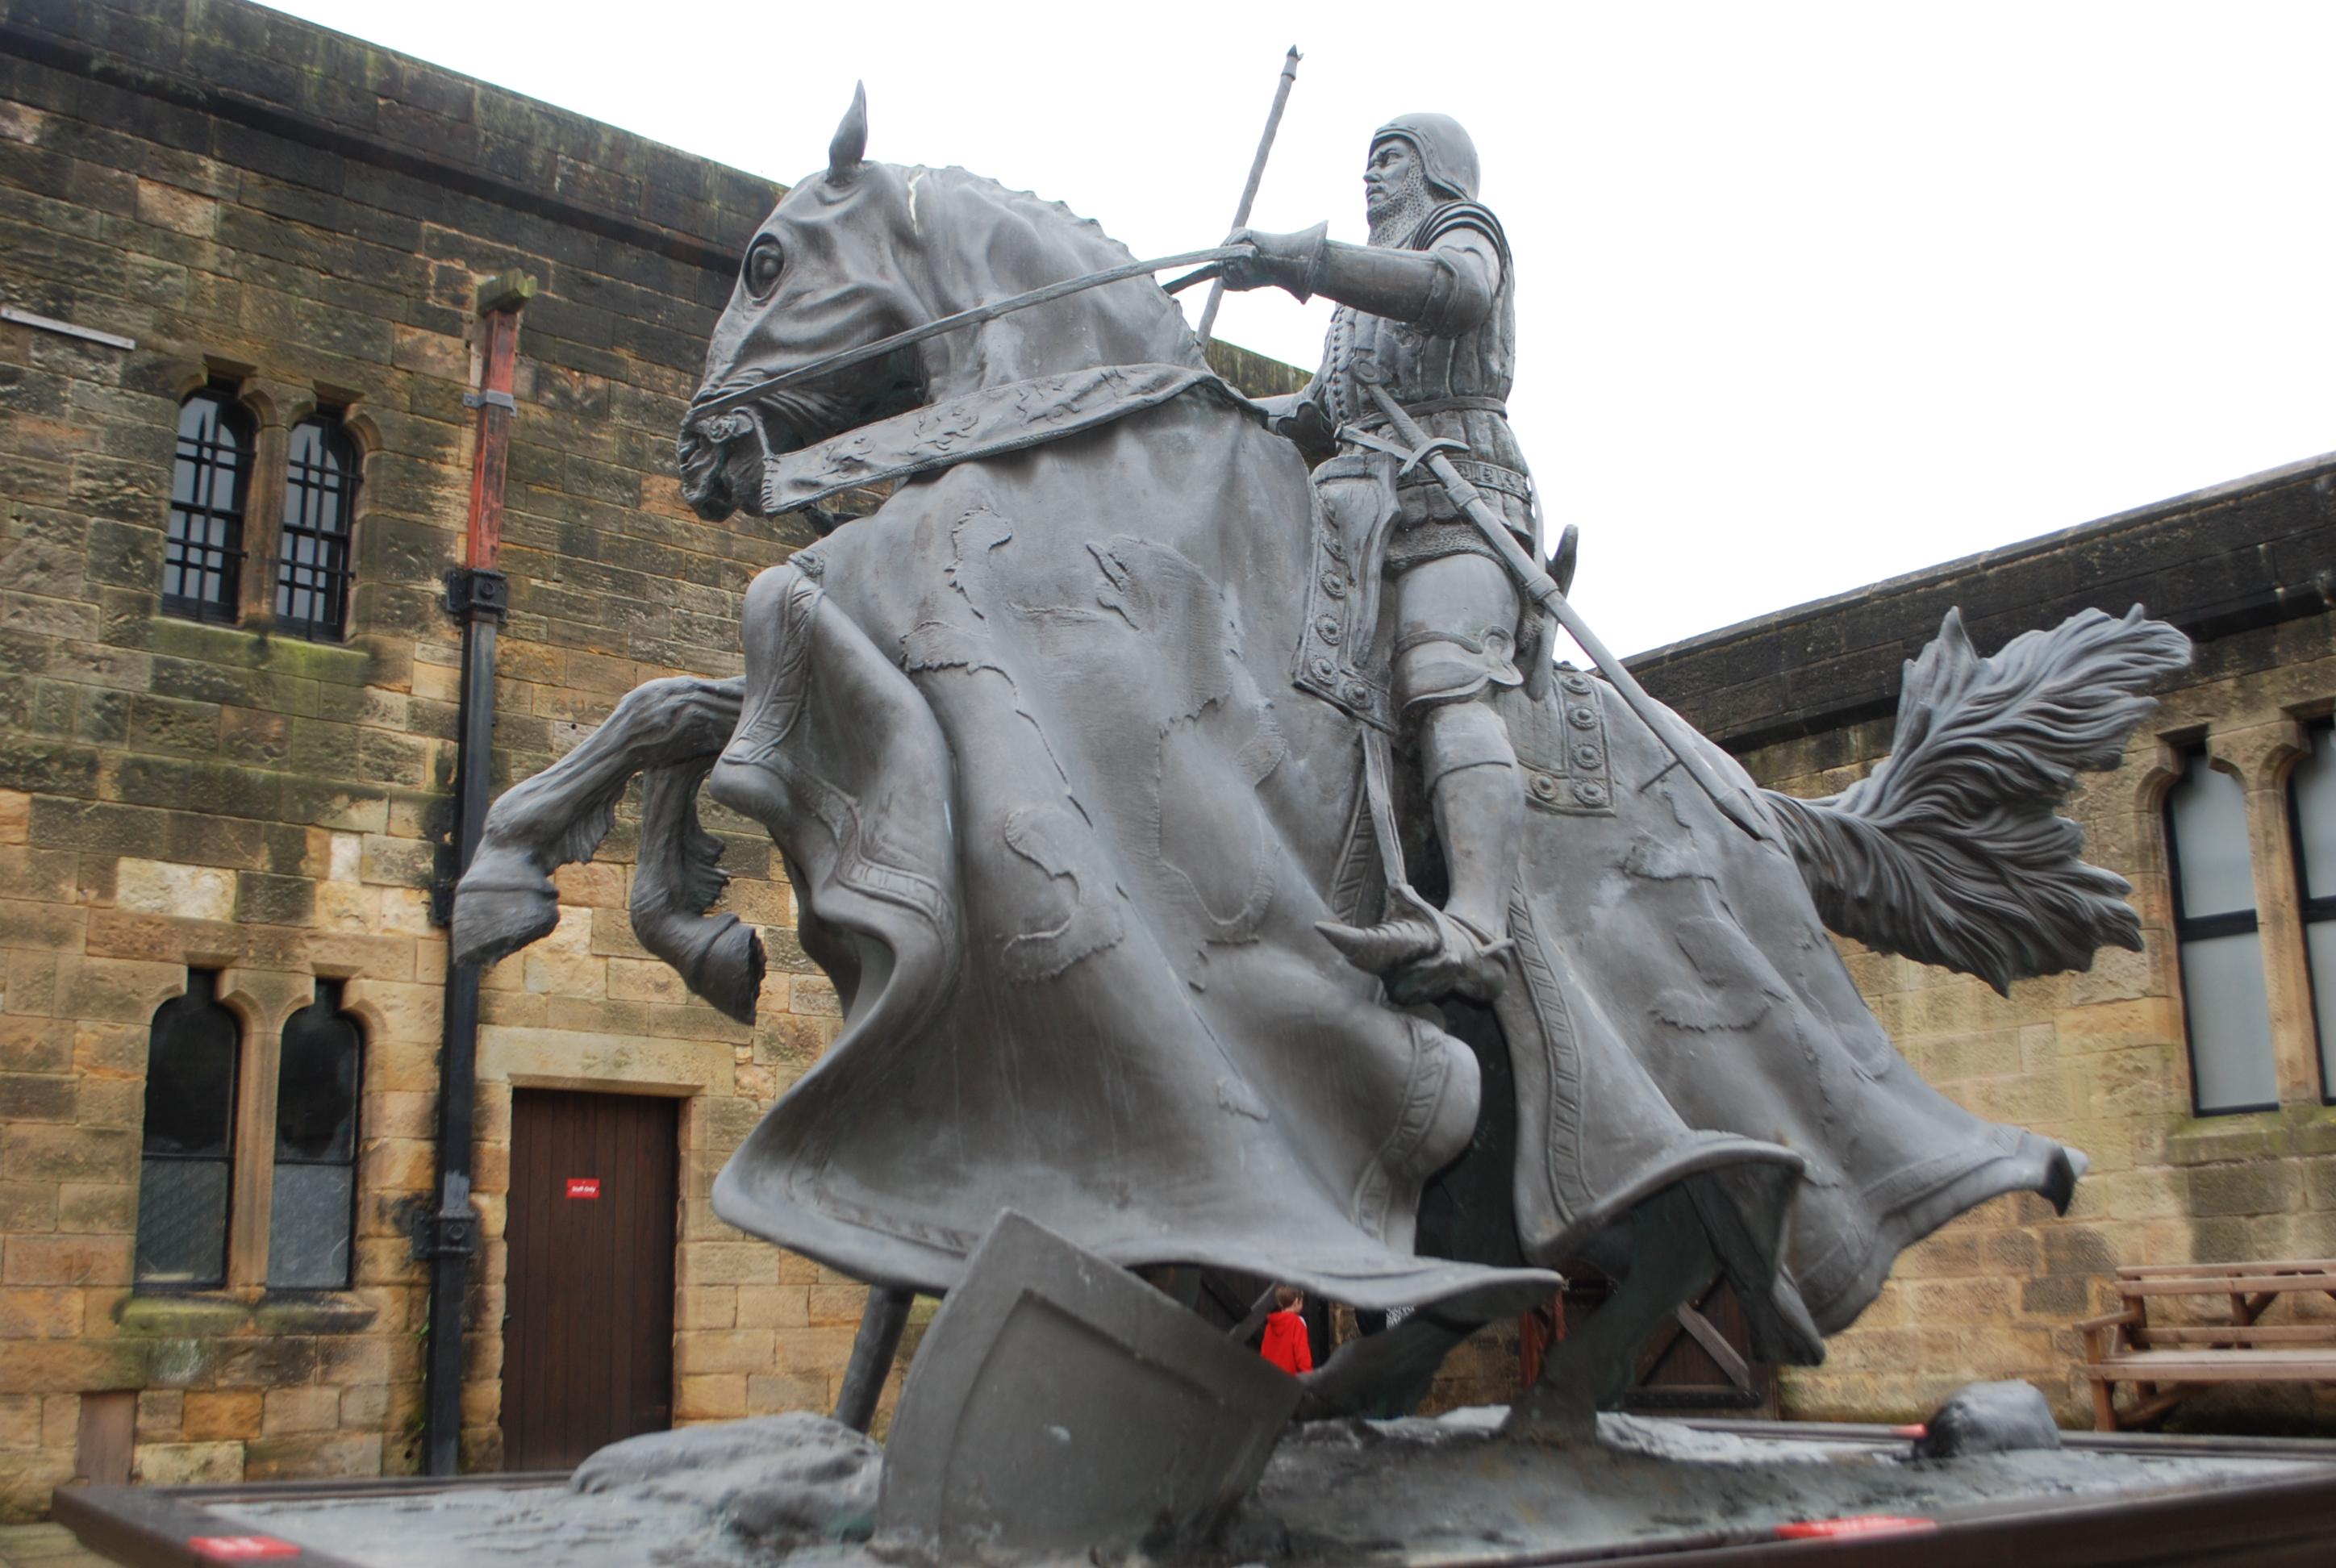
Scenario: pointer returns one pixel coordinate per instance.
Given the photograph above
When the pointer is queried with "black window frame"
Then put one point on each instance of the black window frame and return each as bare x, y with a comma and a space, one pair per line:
202, 990
182, 554
313, 493
2188, 928
2311, 906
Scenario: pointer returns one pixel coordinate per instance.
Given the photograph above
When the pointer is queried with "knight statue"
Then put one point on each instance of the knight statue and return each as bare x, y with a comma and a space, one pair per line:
1077, 747
1428, 308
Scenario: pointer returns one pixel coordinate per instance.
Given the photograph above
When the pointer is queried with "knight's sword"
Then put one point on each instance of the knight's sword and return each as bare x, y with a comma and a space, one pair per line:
1249, 192
1737, 804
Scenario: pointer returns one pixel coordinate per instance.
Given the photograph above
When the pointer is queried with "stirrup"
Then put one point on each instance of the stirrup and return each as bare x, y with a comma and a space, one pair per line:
1421, 952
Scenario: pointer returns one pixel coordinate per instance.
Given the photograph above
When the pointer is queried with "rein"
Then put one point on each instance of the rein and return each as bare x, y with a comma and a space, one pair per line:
844, 359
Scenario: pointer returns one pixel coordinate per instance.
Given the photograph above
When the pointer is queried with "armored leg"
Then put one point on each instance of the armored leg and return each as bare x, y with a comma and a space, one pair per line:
1455, 636
1471, 774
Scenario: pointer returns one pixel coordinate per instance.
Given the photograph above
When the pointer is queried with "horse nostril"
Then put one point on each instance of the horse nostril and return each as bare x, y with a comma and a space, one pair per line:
709, 496
701, 457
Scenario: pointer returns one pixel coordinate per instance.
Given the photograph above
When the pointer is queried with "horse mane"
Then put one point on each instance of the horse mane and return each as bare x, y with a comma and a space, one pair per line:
1100, 250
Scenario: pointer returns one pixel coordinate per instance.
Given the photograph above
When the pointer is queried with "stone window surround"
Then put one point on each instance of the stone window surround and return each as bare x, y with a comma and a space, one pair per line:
2262, 757
263, 1001
275, 407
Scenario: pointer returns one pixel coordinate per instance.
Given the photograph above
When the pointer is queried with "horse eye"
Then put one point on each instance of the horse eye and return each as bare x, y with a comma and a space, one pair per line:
763, 264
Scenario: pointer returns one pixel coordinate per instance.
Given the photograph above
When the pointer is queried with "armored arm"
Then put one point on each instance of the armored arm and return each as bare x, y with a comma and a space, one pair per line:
1447, 288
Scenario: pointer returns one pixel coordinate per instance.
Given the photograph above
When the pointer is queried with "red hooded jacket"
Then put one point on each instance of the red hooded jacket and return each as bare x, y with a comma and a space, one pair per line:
1286, 1344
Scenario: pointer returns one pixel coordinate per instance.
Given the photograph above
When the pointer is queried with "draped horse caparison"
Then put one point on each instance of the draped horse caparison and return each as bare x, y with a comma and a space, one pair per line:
1062, 824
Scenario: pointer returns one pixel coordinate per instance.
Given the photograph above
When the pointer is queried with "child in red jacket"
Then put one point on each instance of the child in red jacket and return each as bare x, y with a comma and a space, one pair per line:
1285, 1343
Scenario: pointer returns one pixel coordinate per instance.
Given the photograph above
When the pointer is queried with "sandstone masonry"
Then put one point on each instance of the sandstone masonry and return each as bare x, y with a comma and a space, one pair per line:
257, 201
1806, 697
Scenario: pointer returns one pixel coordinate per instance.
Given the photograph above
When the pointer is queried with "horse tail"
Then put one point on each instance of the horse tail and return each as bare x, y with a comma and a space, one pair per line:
1949, 853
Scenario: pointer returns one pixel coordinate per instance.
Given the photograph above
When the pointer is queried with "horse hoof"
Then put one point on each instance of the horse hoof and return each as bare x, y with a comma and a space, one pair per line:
730, 973
502, 904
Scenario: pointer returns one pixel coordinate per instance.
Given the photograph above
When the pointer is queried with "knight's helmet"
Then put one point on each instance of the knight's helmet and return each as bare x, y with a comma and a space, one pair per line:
1445, 152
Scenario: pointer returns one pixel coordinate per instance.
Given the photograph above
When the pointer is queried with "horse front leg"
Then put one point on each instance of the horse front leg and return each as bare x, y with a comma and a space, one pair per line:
506, 900
677, 879
1670, 1259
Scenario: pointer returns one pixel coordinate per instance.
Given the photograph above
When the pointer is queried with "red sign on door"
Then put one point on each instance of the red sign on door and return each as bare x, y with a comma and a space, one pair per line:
583, 1186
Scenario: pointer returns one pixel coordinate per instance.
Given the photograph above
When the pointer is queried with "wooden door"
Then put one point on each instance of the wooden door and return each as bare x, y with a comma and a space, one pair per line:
588, 1333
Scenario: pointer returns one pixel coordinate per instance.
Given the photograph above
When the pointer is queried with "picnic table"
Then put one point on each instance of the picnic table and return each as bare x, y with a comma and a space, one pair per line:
2167, 1363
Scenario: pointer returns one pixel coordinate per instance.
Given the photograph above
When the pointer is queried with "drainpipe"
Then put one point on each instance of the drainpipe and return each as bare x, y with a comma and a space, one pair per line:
477, 595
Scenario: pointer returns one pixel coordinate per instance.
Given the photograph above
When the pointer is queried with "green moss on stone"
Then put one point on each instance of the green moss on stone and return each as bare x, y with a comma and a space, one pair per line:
199, 1315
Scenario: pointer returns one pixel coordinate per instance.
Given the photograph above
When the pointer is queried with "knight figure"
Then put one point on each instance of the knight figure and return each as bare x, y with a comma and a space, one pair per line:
1428, 308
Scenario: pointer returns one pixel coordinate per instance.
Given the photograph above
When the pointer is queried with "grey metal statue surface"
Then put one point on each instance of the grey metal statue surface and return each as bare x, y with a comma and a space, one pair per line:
1427, 310
1069, 748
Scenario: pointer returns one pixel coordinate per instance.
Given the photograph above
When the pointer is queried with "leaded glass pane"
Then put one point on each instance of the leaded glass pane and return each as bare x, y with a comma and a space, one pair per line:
202, 545
2315, 819
190, 1062
182, 1223
2320, 941
312, 563
2230, 1023
308, 1228
2209, 813
316, 1084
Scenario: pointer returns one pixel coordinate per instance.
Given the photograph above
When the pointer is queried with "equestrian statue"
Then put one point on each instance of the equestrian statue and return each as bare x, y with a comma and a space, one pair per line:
1208, 852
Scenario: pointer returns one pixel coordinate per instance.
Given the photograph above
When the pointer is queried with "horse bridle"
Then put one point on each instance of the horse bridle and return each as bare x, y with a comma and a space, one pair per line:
844, 359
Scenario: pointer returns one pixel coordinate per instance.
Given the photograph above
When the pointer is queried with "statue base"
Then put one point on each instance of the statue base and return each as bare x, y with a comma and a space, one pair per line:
1394, 1493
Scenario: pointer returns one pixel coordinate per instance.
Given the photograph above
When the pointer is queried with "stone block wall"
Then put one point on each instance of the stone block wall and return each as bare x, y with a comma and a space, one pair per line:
257, 201
254, 199
2099, 1060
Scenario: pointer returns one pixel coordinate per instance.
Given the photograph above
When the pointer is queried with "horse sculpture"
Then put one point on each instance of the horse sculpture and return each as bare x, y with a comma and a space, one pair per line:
1062, 746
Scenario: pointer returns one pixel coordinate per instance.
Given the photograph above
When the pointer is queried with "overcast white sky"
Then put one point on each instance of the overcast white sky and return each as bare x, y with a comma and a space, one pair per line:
1809, 293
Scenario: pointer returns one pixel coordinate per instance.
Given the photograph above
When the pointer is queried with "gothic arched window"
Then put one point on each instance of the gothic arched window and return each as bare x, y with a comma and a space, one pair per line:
2231, 1065
313, 566
2311, 803
314, 1214
184, 1184
202, 545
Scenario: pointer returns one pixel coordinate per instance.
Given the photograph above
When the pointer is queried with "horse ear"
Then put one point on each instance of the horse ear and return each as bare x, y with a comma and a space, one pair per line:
851, 145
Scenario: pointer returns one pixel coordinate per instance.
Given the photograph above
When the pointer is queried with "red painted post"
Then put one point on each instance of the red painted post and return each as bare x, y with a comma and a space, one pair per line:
499, 306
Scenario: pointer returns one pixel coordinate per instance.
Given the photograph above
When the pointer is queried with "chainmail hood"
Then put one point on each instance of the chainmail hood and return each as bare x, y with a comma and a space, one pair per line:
1444, 147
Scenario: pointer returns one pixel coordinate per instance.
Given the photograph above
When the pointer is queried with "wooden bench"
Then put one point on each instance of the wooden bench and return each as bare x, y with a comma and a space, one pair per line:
2167, 1363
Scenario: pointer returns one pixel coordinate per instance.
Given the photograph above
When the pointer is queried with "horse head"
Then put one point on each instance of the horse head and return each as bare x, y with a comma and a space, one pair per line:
864, 250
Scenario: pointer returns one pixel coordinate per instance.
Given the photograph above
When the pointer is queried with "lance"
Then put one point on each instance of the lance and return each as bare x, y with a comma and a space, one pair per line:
1249, 192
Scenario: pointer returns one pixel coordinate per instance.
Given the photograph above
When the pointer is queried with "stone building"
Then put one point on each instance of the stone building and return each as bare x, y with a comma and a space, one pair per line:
2198, 1073
242, 259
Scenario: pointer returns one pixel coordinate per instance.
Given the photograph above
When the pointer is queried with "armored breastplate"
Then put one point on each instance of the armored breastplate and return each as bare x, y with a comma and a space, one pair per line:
1420, 366
1456, 386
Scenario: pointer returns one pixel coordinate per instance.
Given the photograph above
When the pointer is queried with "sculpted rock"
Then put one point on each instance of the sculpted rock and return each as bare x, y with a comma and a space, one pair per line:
788, 1480
1989, 1418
